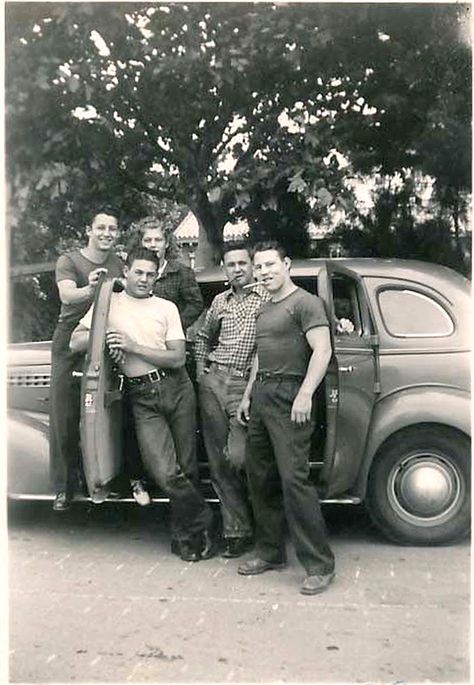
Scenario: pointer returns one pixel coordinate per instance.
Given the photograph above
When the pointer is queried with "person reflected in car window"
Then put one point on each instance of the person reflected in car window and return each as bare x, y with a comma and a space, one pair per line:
145, 337
77, 275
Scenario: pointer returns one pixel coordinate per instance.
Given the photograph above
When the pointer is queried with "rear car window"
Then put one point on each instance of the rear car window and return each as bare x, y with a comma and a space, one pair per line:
407, 313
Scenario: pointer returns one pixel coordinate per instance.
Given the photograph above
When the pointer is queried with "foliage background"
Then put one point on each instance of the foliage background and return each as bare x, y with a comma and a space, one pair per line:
353, 117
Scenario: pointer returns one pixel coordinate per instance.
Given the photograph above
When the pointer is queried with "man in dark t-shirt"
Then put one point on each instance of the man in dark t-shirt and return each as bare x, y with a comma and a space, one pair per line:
293, 352
77, 275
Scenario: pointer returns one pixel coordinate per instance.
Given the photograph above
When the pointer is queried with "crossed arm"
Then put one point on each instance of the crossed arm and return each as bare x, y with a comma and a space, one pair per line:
119, 344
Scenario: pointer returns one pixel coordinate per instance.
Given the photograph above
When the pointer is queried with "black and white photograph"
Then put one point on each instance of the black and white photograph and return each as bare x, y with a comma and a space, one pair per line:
238, 356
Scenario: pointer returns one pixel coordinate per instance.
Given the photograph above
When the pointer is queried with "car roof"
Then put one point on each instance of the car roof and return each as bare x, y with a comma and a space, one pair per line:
408, 269
405, 269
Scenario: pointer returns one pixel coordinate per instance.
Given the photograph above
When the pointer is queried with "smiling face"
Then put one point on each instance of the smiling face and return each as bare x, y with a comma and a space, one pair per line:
238, 267
103, 232
154, 239
140, 277
271, 270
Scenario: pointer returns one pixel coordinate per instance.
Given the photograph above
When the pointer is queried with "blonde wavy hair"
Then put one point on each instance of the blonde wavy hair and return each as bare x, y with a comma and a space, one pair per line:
137, 231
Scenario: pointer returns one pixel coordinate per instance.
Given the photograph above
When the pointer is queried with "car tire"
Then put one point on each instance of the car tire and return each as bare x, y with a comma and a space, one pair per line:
419, 487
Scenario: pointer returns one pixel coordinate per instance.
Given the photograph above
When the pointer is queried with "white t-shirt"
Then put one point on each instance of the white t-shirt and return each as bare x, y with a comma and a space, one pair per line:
151, 321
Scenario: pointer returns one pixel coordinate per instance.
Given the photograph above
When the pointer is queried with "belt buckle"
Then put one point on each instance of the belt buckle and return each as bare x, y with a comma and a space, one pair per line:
153, 375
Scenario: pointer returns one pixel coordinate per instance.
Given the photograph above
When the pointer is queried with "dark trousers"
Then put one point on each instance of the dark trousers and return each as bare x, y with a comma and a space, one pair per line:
224, 438
278, 471
64, 413
165, 422
133, 465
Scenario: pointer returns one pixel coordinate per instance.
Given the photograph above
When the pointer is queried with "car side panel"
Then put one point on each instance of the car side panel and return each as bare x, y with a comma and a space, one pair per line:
439, 405
28, 455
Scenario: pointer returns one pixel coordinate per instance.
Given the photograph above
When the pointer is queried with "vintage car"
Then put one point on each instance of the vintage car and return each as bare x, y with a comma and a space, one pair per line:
393, 426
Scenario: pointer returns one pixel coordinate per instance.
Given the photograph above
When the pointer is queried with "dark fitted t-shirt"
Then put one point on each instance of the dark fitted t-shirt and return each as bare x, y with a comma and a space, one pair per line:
73, 266
282, 347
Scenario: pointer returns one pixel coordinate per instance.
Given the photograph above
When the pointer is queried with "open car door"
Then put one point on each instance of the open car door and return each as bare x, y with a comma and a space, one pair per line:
353, 375
101, 405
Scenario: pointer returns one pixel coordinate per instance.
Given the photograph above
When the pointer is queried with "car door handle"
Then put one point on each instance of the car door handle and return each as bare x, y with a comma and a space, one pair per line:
43, 399
346, 369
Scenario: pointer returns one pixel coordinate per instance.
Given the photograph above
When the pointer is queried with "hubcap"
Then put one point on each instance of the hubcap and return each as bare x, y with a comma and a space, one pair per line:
425, 488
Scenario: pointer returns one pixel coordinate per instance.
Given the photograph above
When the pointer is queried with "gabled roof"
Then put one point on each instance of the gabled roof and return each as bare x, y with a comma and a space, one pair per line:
188, 230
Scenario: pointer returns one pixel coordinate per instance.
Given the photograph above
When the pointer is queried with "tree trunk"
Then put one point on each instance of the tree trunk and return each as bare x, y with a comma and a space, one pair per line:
206, 253
210, 232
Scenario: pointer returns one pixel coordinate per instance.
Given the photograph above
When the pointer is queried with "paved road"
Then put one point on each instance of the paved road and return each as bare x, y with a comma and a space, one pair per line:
98, 597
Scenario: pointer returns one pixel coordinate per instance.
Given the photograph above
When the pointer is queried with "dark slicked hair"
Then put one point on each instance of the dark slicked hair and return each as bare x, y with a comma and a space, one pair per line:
142, 253
103, 208
265, 245
232, 245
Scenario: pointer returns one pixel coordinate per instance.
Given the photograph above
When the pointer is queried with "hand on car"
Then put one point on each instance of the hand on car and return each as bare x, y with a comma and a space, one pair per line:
301, 408
95, 275
243, 411
119, 341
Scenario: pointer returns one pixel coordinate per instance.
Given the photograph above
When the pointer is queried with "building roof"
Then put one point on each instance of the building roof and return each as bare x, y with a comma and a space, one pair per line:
188, 230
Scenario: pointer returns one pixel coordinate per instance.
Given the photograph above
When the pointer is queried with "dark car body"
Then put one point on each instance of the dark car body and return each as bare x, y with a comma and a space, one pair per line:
393, 412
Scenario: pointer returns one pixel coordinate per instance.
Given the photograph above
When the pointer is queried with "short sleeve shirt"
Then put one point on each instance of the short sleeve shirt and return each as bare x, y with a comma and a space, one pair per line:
281, 329
73, 266
150, 321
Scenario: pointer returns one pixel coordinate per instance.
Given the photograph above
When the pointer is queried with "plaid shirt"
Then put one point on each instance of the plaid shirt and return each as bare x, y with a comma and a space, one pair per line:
228, 333
178, 284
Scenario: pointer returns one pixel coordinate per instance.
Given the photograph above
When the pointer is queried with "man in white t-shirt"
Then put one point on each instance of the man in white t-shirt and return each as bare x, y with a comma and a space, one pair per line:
146, 339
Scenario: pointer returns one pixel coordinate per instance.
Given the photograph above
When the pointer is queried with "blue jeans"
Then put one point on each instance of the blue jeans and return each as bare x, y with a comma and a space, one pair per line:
224, 438
165, 421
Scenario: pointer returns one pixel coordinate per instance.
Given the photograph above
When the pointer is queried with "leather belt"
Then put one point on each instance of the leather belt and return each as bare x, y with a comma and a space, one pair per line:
152, 376
266, 376
231, 370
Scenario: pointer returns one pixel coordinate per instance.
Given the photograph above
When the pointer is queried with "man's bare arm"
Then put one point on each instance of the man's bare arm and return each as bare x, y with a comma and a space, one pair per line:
69, 293
79, 338
320, 342
172, 358
243, 410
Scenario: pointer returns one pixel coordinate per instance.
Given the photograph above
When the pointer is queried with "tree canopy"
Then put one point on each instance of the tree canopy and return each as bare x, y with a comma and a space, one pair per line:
235, 110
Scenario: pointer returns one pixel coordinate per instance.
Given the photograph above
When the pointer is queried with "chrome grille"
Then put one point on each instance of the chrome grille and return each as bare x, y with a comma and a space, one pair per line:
29, 380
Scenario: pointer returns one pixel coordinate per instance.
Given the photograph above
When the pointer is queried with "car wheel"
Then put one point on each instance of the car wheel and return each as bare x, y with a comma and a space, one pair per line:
420, 485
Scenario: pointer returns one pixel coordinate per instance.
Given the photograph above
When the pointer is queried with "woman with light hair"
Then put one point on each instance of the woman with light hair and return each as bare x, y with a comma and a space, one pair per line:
175, 282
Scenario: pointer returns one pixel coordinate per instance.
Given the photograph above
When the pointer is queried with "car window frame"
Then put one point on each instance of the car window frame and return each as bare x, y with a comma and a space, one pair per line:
424, 292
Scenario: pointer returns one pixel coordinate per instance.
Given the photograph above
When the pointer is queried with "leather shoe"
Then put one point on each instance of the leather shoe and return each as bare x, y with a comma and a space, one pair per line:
61, 502
313, 585
235, 547
253, 567
188, 550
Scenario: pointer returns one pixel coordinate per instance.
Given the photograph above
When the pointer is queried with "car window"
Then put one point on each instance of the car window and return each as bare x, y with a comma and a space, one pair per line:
309, 283
407, 313
346, 300
34, 307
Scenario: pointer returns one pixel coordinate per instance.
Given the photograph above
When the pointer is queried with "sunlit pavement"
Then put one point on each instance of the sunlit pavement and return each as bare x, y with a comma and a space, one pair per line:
96, 595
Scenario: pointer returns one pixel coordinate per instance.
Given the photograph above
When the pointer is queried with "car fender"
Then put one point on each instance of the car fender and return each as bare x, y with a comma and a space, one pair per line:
431, 404
28, 455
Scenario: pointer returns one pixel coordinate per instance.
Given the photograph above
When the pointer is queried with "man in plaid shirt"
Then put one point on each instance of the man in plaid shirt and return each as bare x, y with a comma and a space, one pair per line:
224, 350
